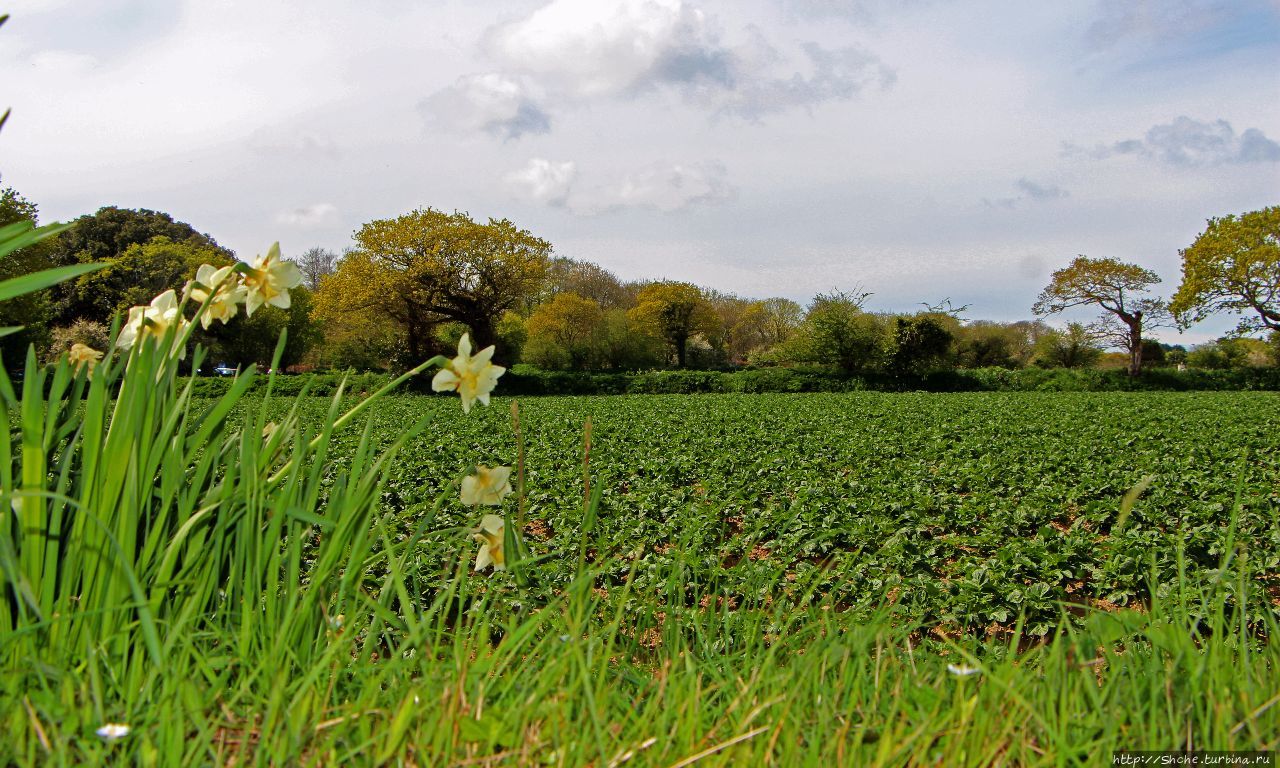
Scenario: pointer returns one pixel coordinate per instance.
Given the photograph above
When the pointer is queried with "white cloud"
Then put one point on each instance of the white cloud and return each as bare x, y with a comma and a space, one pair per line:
577, 51
1190, 143
308, 216
836, 74
664, 187
591, 48
544, 181
494, 103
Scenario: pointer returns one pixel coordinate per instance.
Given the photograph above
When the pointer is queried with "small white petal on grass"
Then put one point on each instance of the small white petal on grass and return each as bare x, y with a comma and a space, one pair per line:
963, 670
113, 732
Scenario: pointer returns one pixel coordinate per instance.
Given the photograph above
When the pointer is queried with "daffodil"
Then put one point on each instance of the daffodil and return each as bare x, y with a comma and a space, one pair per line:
220, 282
113, 732
487, 486
269, 280
152, 320
471, 377
83, 356
490, 537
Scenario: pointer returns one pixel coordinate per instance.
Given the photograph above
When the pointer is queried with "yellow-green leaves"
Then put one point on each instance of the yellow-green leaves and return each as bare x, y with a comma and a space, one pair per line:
1233, 266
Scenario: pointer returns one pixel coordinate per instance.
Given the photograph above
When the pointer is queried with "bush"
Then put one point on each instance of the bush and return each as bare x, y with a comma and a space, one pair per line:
526, 380
320, 384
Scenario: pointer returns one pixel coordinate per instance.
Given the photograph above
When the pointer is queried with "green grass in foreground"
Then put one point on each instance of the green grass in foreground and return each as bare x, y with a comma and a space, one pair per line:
291, 600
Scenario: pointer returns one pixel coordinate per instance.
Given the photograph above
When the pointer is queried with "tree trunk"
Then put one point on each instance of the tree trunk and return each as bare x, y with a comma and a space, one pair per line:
483, 334
681, 345
1135, 343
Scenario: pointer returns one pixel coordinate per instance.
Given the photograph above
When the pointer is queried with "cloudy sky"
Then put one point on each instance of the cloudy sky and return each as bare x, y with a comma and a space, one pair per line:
922, 149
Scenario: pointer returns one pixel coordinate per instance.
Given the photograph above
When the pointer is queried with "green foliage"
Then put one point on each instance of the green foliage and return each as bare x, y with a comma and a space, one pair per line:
428, 267
108, 236
1233, 266
673, 312
986, 344
564, 332
246, 340
917, 345
139, 273
837, 332
1231, 353
1074, 347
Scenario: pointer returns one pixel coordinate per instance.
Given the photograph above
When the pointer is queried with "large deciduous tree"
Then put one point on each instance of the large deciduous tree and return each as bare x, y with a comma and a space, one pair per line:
428, 267
1233, 266
673, 312
109, 234
140, 273
1120, 289
32, 311
590, 281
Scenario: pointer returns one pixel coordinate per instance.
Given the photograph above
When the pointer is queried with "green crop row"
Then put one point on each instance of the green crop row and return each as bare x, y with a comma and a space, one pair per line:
968, 510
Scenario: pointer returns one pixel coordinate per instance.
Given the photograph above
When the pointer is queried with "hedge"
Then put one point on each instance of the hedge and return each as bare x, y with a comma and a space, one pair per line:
525, 380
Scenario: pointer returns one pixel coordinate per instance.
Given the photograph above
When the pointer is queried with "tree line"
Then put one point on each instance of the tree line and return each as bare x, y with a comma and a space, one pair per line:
410, 286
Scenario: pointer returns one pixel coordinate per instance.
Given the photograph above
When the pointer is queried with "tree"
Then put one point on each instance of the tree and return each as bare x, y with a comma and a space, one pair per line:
32, 311
246, 340
106, 236
316, 264
427, 267
1073, 348
917, 344
564, 329
1233, 266
837, 332
140, 273
984, 343
1118, 288
590, 281
781, 319
673, 311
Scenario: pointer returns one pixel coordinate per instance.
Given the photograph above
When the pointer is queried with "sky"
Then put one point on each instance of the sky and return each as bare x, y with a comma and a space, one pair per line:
921, 150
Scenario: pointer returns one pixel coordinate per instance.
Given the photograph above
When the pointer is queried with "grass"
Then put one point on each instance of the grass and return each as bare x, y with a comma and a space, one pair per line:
215, 575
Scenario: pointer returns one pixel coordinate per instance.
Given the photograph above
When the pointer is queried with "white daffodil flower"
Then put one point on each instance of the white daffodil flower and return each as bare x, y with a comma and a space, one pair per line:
487, 486
490, 537
471, 377
152, 320
269, 280
227, 292
81, 356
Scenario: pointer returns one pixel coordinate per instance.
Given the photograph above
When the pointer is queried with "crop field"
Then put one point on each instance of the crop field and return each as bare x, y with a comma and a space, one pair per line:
869, 579
965, 511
